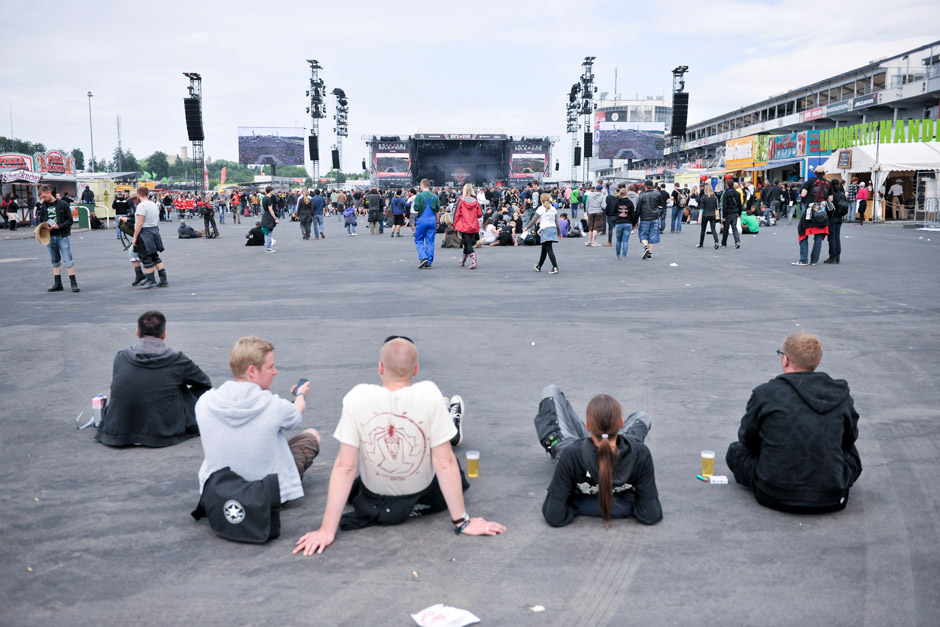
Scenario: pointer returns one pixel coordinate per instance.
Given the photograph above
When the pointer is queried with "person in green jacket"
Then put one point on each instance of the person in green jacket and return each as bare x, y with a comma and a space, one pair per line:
575, 199
749, 223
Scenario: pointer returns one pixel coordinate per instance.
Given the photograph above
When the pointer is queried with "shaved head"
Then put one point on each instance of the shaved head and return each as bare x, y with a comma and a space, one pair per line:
399, 358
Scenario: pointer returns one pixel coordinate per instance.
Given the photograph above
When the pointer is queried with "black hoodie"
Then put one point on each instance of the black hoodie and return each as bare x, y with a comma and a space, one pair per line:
802, 426
153, 396
573, 489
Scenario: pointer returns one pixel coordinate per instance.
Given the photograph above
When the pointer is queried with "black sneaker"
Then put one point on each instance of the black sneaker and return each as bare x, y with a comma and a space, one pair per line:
422, 263
550, 445
456, 414
737, 245
647, 254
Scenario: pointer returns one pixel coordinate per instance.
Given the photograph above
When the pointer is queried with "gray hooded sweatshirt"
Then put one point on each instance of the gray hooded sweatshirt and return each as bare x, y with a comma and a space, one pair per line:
242, 427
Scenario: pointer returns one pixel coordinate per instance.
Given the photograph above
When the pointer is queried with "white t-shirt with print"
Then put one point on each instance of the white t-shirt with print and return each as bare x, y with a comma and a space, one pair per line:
395, 432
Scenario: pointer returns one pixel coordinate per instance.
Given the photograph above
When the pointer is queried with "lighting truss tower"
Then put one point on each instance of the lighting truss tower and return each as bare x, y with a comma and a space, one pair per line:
587, 104
571, 120
195, 91
342, 121
317, 111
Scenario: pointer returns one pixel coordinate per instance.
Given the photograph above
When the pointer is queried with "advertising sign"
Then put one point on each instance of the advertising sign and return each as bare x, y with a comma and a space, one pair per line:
783, 147
837, 107
739, 153
15, 161
270, 145
864, 101
811, 114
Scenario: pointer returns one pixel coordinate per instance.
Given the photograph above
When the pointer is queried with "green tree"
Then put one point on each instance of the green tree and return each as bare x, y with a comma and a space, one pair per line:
79, 157
337, 176
21, 146
130, 162
157, 163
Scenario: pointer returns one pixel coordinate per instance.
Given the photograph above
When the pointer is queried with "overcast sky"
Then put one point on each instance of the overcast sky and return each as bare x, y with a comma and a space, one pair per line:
411, 65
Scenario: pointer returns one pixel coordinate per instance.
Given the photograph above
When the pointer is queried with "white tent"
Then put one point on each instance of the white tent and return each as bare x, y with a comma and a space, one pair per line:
889, 158
882, 159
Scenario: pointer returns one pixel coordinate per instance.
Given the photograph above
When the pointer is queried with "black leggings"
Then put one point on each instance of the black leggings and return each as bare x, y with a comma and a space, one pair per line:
547, 250
705, 221
468, 240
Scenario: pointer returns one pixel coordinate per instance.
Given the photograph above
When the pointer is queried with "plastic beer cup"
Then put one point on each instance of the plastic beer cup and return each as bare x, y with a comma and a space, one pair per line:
473, 463
708, 463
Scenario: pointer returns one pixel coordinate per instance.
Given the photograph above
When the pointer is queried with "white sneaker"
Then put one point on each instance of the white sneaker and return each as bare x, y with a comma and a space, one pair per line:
456, 414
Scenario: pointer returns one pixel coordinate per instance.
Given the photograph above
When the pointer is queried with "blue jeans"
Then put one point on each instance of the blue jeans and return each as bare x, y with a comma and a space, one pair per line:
317, 225
351, 228
662, 219
817, 245
623, 239
675, 223
60, 251
221, 215
268, 240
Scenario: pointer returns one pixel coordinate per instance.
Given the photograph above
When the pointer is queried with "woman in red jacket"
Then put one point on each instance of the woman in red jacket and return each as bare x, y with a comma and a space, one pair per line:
467, 223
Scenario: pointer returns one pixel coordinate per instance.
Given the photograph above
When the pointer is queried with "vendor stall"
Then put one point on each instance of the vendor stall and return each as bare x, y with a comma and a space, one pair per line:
887, 166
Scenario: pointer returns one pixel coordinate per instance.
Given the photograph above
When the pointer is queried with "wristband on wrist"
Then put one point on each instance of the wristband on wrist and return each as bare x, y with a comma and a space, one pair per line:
463, 525
464, 517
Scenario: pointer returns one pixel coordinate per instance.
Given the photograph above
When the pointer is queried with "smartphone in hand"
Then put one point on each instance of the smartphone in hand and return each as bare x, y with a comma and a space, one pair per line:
298, 386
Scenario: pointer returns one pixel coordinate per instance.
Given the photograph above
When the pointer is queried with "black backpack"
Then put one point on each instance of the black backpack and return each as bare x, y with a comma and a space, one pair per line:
241, 510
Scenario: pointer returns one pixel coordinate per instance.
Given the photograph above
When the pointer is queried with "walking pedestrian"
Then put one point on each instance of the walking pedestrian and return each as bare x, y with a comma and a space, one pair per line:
547, 218
424, 213
304, 213
710, 214
467, 222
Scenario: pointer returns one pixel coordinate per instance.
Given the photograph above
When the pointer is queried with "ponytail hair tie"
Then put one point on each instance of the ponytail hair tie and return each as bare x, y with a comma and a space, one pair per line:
605, 435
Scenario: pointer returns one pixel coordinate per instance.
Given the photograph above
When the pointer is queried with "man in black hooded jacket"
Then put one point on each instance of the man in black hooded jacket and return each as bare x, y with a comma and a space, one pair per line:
796, 446
154, 390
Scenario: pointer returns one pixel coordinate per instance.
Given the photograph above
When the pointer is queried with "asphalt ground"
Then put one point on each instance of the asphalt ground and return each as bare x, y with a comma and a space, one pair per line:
94, 535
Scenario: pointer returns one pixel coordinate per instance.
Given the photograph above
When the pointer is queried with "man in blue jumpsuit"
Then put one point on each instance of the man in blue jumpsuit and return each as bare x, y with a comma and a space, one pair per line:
424, 212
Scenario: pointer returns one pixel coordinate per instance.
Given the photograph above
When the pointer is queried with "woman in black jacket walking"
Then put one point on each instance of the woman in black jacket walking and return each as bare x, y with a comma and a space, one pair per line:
709, 207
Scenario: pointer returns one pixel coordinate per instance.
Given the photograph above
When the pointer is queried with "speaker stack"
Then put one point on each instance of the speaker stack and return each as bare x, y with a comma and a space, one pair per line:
193, 109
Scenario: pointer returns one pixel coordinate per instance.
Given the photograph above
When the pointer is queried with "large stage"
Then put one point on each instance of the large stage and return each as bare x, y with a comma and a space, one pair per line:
454, 159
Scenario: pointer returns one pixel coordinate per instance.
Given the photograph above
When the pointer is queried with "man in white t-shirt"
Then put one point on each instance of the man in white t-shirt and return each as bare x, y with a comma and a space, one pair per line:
398, 437
146, 240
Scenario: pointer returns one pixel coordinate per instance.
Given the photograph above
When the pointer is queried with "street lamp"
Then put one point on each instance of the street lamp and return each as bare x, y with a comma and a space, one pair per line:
91, 132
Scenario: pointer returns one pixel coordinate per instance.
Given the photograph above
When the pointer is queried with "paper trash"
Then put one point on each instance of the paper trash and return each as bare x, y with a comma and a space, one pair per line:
441, 615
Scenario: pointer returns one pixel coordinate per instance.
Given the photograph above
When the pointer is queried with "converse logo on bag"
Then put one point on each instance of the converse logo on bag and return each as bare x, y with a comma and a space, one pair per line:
234, 512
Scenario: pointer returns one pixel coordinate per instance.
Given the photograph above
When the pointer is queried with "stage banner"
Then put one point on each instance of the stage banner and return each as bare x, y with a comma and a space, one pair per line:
391, 162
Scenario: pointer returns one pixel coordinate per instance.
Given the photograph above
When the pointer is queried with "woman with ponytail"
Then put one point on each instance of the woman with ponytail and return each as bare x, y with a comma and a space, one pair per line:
603, 468
547, 218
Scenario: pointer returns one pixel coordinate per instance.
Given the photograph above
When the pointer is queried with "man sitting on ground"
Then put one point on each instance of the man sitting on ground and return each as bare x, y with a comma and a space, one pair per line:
255, 236
153, 391
398, 436
796, 446
243, 424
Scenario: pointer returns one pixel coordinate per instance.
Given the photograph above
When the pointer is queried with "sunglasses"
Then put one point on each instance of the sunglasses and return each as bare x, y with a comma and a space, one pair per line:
781, 353
398, 337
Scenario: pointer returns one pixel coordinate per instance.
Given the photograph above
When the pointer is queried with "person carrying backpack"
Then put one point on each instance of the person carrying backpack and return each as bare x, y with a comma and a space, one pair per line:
816, 192
840, 205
